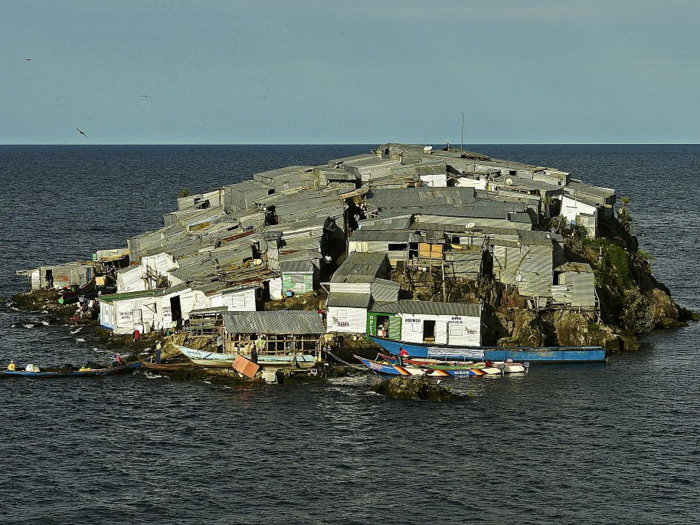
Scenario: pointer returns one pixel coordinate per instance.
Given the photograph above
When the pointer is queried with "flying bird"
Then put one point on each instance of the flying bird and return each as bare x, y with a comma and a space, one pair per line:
81, 132
26, 59
145, 96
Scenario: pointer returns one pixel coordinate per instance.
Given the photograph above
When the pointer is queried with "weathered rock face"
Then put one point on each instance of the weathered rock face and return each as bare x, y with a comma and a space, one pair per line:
526, 329
415, 389
665, 311
573, 328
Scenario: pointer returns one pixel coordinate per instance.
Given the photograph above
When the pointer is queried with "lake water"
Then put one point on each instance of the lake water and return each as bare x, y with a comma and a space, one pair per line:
565, 444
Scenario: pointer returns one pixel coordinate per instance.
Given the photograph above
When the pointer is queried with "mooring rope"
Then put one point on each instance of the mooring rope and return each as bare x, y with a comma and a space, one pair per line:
358, 367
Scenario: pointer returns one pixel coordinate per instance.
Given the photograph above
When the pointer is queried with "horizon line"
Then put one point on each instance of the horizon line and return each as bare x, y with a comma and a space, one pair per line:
362, 144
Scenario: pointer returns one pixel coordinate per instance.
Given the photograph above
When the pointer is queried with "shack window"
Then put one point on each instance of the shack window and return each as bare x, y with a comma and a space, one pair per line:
342, 313
298, 278
416, 327
456, 329
397, 247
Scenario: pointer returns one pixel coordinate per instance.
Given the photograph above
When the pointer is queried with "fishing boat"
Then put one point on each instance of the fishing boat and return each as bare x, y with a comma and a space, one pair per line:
208, 358
49, 373
555, 354
72, 296
486, 367
393, 369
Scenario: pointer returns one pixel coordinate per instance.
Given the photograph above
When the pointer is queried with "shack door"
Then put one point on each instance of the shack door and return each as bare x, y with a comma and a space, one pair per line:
137, 320
176, 309
395, 327
428, 331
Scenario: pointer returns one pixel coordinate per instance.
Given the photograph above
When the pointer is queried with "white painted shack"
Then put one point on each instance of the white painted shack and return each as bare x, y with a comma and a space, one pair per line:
351, 289
124, 313
152, 273
177, 303
427, 322
347, 312
245, 298
129, 280
433, 176
579, 213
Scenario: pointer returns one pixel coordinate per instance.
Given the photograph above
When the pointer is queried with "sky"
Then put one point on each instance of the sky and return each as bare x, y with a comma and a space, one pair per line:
349, 71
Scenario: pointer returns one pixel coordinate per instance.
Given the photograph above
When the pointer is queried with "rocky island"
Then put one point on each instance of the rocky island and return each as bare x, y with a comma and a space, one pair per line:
406, 242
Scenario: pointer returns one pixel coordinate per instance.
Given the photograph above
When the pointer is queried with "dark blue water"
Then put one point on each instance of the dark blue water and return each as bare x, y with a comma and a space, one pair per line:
576, 444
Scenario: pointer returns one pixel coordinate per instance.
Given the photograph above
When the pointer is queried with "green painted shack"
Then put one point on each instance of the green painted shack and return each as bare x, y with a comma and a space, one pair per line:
298, 276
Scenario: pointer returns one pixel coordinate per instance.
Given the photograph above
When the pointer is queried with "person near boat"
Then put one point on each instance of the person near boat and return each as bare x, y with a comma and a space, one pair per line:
12, 367
403, 354
158, 352
219, 344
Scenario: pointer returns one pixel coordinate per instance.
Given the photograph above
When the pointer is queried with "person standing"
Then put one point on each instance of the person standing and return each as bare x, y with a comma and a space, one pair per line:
158, 352
219, 344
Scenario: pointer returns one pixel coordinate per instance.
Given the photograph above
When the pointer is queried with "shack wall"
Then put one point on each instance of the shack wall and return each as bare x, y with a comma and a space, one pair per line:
236, 301
347, 320
449, 329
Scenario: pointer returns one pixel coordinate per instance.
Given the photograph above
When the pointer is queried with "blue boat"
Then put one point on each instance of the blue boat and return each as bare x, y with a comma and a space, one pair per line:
90, 372
383, 368
553, 355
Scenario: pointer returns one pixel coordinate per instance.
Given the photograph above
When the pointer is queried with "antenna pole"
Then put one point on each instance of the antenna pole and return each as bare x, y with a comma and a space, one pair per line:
462, 146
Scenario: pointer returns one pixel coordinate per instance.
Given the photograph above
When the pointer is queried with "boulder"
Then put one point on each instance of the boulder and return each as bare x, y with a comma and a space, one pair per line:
664, 309
415, 389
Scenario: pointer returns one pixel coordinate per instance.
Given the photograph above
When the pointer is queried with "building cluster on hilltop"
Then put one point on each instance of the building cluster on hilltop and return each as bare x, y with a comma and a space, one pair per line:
356, 228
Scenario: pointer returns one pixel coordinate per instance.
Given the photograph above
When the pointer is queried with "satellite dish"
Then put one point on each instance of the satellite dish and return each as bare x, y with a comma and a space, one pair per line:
509, 182
470, 225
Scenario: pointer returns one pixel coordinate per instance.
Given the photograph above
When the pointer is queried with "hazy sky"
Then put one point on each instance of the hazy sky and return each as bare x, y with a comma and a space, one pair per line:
349, 71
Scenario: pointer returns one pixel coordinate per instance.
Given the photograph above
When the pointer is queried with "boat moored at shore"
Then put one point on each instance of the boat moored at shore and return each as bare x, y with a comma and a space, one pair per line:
553, 355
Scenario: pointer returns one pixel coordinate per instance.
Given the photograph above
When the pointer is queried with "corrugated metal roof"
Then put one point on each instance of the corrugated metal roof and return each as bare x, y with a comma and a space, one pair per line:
275, 322
302, 266
212, 310
385, 291
420, 197
362, 266
538, 237
428, 308
574, 267
363, 235
131, 295
349, 300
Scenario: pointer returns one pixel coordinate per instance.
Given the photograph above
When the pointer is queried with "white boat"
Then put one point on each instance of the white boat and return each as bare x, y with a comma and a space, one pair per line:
207, 358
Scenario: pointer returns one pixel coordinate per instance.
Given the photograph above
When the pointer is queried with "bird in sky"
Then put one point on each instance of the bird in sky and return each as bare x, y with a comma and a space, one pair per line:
26, 60
81, 132
145, 96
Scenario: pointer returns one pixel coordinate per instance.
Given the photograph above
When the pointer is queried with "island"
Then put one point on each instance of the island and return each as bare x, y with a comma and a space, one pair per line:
405, 243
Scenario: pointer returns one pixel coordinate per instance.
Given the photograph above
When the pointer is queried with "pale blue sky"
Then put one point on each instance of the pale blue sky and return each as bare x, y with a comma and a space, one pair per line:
364, 71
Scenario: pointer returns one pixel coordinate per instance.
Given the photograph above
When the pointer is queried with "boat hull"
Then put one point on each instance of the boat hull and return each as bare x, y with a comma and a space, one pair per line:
209, 359
586, 354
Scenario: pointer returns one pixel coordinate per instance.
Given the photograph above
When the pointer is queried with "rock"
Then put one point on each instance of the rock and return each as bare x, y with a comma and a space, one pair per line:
664, 309
416, 389
573, 329
628, 341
